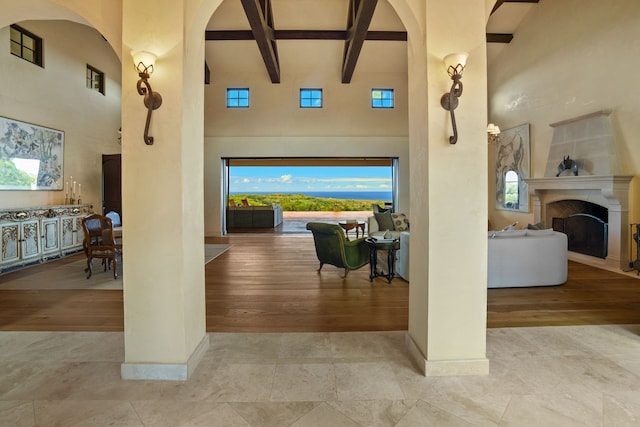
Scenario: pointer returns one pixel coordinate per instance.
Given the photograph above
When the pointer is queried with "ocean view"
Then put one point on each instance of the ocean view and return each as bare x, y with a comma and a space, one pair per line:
351, 195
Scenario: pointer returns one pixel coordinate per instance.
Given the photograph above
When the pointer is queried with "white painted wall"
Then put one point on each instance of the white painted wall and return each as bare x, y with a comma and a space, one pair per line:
56, 96
567, 59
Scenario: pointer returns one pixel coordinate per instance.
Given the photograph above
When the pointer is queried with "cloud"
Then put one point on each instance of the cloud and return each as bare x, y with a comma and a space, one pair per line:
286, 178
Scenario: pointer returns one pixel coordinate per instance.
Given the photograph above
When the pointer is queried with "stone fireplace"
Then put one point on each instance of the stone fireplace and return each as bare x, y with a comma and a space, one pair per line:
589, 141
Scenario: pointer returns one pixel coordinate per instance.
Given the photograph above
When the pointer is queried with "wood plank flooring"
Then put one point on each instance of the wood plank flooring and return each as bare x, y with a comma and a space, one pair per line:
268, 283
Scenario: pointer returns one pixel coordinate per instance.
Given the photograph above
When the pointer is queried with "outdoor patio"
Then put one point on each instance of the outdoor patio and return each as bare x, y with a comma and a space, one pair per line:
296, 222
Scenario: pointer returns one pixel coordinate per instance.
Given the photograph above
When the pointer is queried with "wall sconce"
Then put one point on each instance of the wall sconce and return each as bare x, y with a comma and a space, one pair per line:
493, 134
144, 61
455, 63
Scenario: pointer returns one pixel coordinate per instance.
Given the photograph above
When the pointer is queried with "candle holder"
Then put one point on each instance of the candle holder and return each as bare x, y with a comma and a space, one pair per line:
72, 201
79, 200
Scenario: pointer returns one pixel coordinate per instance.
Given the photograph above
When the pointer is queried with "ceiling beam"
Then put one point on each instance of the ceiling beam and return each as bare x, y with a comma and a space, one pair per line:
501, 2
260, 19
304, 35
499, 38
360, 14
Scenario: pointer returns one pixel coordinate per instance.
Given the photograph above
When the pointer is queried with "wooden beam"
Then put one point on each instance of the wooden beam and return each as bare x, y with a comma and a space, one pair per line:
260, 19
216, 35
360, 14
501, 2
499, 38
228, 35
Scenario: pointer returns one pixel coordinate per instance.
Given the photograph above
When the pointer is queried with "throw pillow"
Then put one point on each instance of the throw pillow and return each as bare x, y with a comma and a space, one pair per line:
385, 222
400, 221
377, 208
537, 226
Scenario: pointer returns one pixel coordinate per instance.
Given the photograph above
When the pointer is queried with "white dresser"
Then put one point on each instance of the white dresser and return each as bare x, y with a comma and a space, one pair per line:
31, 235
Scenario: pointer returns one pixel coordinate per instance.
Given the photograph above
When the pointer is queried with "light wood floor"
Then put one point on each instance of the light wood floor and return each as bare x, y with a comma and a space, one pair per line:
268, 283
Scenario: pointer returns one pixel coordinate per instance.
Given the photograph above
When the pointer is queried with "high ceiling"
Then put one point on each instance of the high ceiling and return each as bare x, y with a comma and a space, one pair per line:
268, 34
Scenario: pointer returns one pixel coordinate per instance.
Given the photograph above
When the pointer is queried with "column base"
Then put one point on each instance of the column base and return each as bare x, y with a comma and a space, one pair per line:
443, 368
165, 371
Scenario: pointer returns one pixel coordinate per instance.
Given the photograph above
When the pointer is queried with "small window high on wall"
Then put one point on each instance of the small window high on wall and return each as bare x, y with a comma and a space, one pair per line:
382, 98
310, 98
26, 45
238, 98
95, 79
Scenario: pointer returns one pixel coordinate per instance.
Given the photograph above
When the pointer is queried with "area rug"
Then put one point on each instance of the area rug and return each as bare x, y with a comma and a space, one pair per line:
212, 251
68, 273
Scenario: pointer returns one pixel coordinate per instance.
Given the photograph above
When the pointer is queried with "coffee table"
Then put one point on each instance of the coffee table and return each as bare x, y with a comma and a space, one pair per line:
360, 225
391, 247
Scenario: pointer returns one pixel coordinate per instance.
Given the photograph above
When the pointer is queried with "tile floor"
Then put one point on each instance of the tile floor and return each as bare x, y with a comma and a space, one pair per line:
547, 376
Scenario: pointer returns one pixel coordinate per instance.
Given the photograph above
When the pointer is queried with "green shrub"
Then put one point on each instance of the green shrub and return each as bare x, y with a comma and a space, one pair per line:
302, 203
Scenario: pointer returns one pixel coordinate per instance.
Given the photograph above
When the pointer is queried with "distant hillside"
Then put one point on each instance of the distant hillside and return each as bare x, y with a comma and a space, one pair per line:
300, 202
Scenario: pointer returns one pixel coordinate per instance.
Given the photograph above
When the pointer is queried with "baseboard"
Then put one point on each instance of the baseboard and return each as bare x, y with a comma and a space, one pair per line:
165, 371
443, 368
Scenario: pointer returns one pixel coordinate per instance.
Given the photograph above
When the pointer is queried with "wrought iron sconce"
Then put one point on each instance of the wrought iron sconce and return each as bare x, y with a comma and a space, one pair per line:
144, 61
493, 134
455, 63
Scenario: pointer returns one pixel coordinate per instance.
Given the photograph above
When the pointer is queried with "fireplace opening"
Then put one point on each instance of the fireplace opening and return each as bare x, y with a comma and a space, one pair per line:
584, 223
586, 234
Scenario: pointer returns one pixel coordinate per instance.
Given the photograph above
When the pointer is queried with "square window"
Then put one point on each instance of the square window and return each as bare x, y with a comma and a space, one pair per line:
310, 98
95, 79
237, 98
26, 45
382, 98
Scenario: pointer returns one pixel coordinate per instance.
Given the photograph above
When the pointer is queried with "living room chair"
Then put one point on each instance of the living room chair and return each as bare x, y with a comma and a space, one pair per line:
99, 242
332, 247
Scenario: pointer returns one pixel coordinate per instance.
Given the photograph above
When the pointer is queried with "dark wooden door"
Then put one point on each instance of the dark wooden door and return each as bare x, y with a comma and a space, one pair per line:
112, 184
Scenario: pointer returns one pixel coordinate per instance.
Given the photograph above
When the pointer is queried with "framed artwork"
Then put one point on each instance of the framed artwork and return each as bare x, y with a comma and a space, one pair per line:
512, 159
31, 156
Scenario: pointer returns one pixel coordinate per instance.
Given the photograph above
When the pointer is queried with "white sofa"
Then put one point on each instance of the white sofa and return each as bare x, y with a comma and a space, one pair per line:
402, 256
374, 229
519, 258
516, 258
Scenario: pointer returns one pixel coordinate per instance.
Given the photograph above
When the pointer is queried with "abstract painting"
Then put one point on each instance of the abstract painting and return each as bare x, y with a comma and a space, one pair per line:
31, 156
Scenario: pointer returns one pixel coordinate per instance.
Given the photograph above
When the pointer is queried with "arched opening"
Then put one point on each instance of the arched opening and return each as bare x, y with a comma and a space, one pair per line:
274, 125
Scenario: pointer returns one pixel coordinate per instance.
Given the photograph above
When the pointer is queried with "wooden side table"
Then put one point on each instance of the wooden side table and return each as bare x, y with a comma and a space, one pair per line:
391, 247
351, 225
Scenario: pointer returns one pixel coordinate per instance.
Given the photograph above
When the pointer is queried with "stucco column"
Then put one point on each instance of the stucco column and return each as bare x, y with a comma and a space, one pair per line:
162, 195
448, 283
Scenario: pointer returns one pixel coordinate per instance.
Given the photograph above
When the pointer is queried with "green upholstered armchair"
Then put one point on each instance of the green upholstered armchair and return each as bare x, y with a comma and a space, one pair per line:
333, 248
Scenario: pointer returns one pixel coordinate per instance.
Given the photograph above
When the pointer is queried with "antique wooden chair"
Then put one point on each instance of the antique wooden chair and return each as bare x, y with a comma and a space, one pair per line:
333, 248
100, 243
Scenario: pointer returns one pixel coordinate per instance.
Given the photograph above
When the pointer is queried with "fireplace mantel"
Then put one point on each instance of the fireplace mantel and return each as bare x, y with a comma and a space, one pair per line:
585, 182
610, 191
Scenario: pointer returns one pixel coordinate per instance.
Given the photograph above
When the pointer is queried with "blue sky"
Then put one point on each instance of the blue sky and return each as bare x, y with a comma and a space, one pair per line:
289, 179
